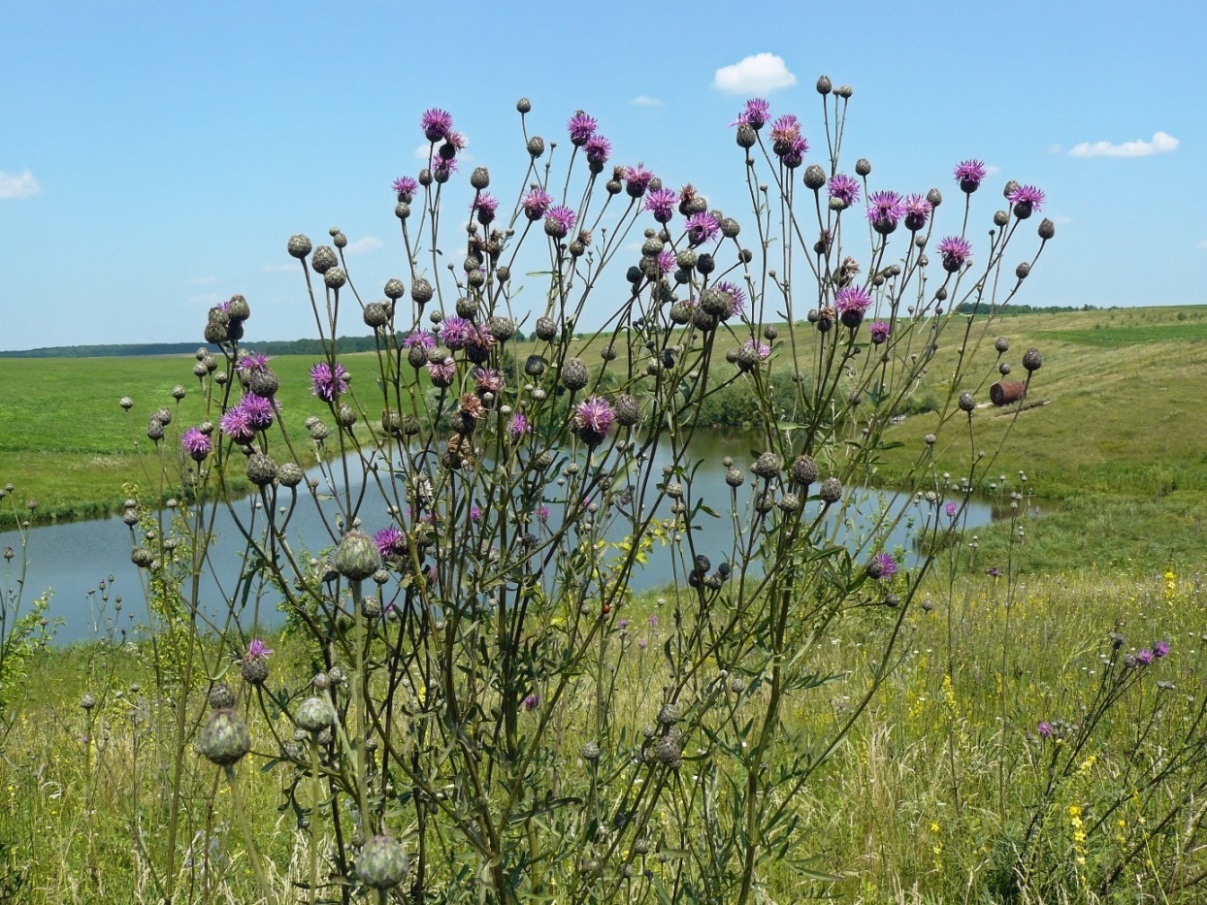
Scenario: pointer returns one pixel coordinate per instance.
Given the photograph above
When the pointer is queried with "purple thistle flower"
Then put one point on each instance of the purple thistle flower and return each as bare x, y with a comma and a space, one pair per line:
481, 341
598, 149
666, 261
436, 124
888, 565
196, 444
951, 509
581, 127
259, 411
1027, 199
542, 513
1161, 649
755, 115
457, 140
993, 572
653, 620
622, 624
794, 155
702, 227
917, 211
404, 188
559, 221
421, 338
535, 202
532, 702
592, 419
442, 168
734, 291
955, 251
253, 363
661, 203
326, 382
785, 130
969, 175
488, 380
390, 541
1144, 656
643, 643
1044, 729
475, 513
485, 206
844, 189
443, 373
761, 349
880, 331
519, 425
885, 209
257, 650
456, 332
236, 425
637, 180
851, 303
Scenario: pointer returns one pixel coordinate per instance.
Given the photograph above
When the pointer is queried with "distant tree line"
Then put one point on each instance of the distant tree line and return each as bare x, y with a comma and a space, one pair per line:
1015, 309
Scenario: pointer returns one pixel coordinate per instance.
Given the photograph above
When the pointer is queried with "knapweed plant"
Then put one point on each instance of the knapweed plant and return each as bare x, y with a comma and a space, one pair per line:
491, 715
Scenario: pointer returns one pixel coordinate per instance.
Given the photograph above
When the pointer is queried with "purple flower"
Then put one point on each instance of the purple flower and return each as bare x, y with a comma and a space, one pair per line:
850, 303
1027, 199
888, 565
761, 349
969, 175
1144, 656
666, 261
475, 513
535, 202
196, 444
884, 210
755, 115
542, 513
581, 127
488, 380
519, 425
559, 221
592, 419
253, 363
787, 142
794, 155
637, 180
702, 227
532, 702
485, 206
598, 149
653, 620
456, 332
236, 425
735, 293
643, 643
443, 373
1161, 649
404, 188
917, 211
880, 331
421, 338
259, 411
955, 252
661, 203
993, 572
457, 140
390, 541
327, 382
1044, 729
442, 168
844, 189
257, 651
951, 509
436, 124
622, 624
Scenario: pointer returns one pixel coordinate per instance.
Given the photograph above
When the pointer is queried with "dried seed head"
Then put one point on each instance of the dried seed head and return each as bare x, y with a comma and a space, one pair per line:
628, 412
299, 246
479, 178
831, 490
824, 86
967, 402
815, 177
335, 278
421, 291
536, 146
221, 696
394, 289
1047, 229
290, 474
1023, 270
376, 314
546, 329
863, 166
357, 556
261, 469
323, 259
1002, 345
382, 863
314, 715
767, 465
225, 738
804, 470
1032, 360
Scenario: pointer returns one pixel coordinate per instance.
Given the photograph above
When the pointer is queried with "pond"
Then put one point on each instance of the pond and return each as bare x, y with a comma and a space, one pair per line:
78, 559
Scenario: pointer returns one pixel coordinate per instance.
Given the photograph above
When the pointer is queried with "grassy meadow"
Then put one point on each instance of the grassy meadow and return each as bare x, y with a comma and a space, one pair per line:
949, 789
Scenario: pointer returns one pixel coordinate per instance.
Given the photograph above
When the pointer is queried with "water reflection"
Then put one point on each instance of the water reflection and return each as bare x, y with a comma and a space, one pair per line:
73, 559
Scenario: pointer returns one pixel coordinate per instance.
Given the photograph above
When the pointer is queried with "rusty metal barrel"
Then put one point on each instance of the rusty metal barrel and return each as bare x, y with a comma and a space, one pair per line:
1006, 391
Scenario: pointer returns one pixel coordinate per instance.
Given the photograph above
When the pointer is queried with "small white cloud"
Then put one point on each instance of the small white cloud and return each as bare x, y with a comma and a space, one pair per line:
1202, 243
644, 100
279, 268
761, 73
364, 246
1060, 219
1056, 149
1162, 143
18, 185
205, 281
991, 169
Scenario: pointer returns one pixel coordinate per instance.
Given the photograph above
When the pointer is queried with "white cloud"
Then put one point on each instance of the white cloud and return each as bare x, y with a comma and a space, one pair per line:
644, 100
280, 268
1202, 243
1060, 219
364, 246
761, 73
1162, 143
18, 185
205, 281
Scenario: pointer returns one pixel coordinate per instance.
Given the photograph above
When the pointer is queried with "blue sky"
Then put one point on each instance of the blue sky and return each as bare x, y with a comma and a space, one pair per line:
155, 157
